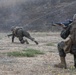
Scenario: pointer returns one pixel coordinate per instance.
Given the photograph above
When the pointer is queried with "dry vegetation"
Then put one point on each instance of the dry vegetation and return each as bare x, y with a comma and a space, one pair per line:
38, 65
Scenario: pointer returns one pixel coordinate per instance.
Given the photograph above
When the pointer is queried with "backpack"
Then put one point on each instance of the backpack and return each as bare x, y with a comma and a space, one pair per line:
15, 30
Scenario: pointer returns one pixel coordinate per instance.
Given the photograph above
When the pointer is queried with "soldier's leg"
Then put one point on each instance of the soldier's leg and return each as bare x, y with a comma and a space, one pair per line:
62, 55
26, 34
13, 38
61, 50
75, 61
29, 37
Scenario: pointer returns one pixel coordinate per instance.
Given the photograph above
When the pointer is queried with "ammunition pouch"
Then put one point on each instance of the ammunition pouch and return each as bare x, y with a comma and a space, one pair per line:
65, 32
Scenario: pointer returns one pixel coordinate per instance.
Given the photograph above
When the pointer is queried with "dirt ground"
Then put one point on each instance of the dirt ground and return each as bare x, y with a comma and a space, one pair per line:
39, 65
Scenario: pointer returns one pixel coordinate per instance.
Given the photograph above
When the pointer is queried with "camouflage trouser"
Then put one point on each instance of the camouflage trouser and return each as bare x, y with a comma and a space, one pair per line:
64, 47
26, 34
61, 50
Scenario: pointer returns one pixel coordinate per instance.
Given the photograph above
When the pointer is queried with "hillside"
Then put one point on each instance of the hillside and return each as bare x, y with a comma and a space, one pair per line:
35, 15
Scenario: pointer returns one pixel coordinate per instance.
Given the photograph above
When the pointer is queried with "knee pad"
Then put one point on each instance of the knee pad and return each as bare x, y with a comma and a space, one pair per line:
61, 45
60, 49
22, 41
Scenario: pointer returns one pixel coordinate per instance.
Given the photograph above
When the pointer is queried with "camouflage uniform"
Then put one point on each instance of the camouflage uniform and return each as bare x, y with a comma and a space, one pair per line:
20, 33
67, 46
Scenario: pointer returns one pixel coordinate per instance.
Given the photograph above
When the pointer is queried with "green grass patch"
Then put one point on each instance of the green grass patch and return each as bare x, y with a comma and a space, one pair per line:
25, 53
50, 44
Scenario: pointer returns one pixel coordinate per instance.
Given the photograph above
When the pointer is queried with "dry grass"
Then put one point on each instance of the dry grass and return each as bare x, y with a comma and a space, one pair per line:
39, 65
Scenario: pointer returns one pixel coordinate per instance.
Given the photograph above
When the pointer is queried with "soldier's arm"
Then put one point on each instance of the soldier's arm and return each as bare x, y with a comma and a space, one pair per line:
13, 38
9, 35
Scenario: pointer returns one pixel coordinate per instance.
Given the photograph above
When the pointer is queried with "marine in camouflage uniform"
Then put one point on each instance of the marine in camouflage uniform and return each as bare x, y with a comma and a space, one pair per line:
68, 46
20, 33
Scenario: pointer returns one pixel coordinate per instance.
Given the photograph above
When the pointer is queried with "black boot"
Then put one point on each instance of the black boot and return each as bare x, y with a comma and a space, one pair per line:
36, 42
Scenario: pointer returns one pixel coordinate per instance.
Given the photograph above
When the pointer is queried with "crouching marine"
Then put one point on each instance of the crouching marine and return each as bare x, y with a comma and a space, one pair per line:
68, 45
20, 33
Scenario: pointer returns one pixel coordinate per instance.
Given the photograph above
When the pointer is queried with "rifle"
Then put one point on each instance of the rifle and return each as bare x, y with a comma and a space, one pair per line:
59, 24
63, 24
